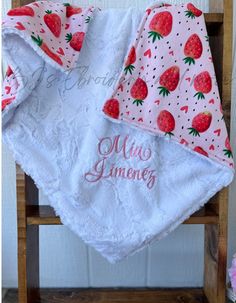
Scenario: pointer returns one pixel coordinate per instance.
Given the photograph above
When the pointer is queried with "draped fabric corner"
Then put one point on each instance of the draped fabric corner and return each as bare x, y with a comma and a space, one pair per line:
116, 116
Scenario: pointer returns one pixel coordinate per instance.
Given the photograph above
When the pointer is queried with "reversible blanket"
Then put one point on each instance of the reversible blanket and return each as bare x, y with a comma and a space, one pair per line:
116, 115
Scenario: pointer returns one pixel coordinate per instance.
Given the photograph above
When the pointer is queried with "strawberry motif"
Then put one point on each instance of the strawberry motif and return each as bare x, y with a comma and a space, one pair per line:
193, 49
76, 40
21, 11
7, 89
139, 91
169, 80
200, 123
88, 19
201, 151
129, 67
6, 102
9, 72
53, 22
112, 108
202, 84
71, 10
166, 122
20, 26
44, 47
148, 53
192, 11
228, 149
160, 26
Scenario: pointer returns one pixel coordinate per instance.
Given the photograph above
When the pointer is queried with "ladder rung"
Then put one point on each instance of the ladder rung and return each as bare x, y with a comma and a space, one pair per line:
214, 17
45, 215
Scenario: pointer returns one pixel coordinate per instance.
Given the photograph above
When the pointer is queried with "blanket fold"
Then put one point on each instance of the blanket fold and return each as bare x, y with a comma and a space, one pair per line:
51, 30
168, 85
116, 186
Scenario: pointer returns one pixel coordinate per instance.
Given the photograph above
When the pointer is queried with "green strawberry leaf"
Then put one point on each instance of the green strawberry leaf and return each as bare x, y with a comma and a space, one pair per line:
68, 37
129, 69
169, 134
189, 60
163, 91
189, 14
154, 36
228, 153
88, 19
199, 95
194, 132
138, 102
37, 40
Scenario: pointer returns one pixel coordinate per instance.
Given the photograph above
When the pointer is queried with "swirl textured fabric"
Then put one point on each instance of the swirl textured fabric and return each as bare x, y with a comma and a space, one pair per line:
98, 110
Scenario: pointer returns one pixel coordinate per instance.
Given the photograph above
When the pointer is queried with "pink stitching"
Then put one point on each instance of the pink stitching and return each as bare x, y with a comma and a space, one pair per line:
109, 146
118, 146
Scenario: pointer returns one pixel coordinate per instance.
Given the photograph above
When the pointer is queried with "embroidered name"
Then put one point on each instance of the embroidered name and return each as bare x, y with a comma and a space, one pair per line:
107, 147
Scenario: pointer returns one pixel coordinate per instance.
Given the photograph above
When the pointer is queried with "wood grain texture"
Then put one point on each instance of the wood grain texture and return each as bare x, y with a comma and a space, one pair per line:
28, 236
28, 241
117, 296
216, 235
45, 215
214, 17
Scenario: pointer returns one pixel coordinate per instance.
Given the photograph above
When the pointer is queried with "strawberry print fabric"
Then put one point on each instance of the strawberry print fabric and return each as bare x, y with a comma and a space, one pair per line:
9, 90
168, 84
58, 30
119, 188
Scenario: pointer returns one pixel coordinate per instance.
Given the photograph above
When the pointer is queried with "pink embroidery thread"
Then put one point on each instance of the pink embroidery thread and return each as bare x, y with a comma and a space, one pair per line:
107, 147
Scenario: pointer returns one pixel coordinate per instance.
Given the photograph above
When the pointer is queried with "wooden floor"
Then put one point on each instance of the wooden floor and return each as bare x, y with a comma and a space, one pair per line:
116, 296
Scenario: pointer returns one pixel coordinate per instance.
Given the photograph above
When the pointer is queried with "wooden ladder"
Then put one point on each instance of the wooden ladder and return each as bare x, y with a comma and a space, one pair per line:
214, 215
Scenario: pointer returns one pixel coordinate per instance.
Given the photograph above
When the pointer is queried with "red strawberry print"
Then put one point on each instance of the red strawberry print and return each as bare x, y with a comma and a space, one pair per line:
76, 40
148, 53
6, 102
228, 149
112, 108
129, 67
9, 72
200, 123
53, 22
166, 122
169, 81
44, 47
192, 11
202, 84
200, 150
193, 49
7, 89
71, 10
21, 11
60, 51
20, 26
217, 132
160, 26
212, 147
139, 91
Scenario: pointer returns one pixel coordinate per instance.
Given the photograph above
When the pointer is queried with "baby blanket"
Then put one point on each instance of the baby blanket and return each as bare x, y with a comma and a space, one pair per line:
119, 188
